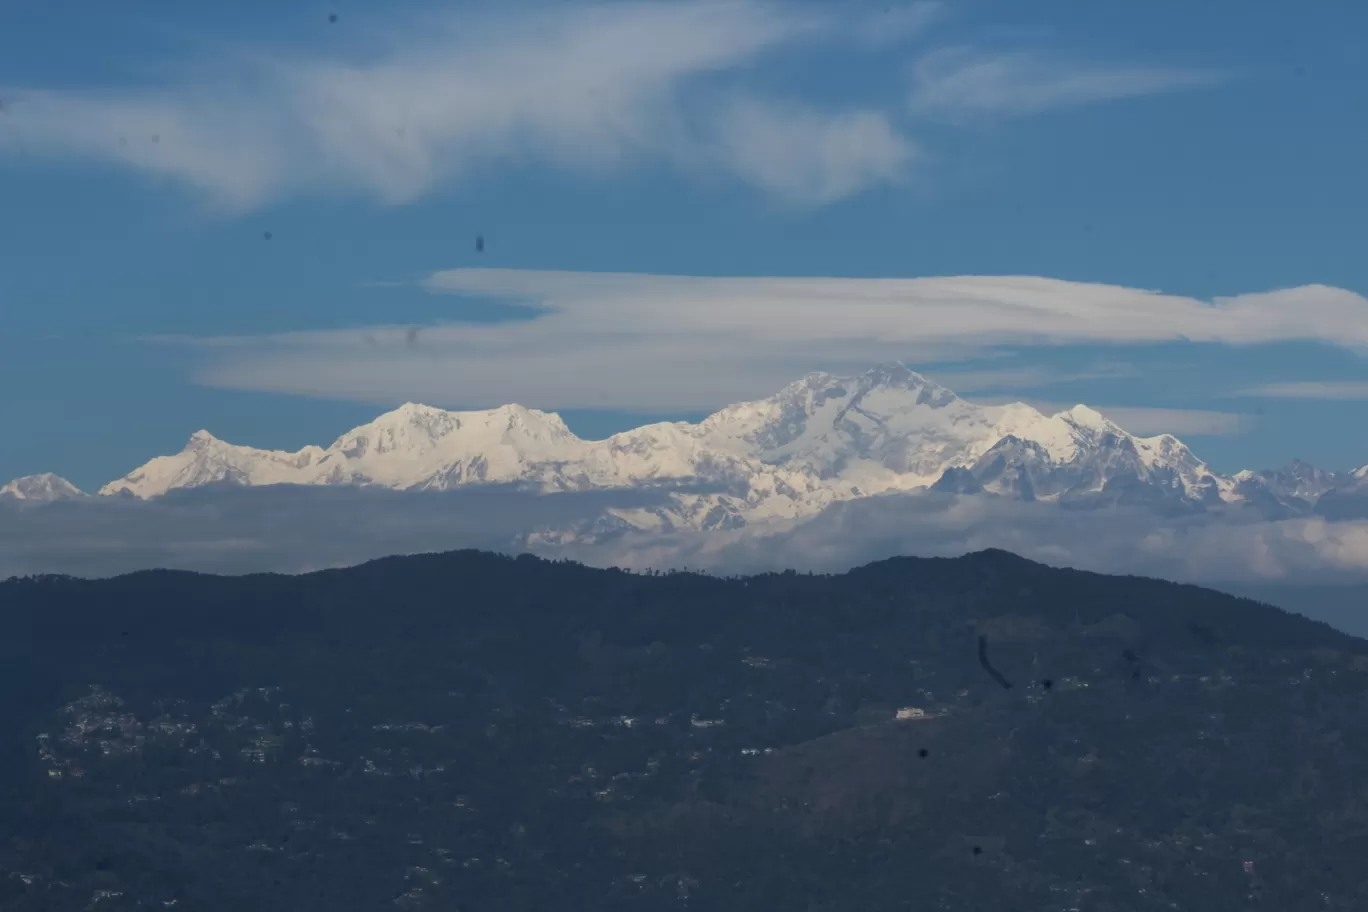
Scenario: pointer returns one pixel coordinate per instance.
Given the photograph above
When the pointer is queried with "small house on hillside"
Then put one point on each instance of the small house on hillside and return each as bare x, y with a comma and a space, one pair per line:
914, 712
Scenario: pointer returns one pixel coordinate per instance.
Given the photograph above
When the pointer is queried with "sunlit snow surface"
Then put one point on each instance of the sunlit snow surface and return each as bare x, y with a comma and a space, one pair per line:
821, 440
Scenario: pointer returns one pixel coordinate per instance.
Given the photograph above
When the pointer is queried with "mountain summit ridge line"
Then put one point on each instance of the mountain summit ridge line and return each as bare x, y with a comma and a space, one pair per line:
820, 440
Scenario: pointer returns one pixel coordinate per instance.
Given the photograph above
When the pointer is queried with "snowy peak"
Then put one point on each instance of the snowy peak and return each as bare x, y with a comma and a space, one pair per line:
1290, 490
889, 428
1348, 499
1013, 467
412, 446
418, 425
42, 488
1080, 457
894, 375
1083, 417
821, 439
893, 381
206, 460
419, 446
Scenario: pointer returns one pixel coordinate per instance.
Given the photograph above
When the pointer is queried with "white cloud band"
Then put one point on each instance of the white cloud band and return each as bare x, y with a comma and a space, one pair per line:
965, 84
589, 87
586, 87
673, 343
294, 529
1344, 390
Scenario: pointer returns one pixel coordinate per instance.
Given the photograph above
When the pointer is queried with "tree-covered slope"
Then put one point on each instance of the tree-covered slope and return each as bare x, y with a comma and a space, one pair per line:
468, 731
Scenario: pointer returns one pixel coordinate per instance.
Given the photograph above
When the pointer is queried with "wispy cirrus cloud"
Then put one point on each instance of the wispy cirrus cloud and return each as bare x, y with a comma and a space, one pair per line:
1144, 420
1147, 420
593, 88
808, 157
656, 343
1340, 390
962, 84
896, 24
588, 87
1027, 378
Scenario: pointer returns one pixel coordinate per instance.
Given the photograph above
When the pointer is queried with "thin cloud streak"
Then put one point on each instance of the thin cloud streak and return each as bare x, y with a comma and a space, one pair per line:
894, 26
961, 84
1146, 420
1025, 378
673, 343
1346, 390
1193, 422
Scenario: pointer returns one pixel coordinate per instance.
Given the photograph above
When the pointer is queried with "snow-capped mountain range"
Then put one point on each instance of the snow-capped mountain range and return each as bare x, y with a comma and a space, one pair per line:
42, 488
820, 440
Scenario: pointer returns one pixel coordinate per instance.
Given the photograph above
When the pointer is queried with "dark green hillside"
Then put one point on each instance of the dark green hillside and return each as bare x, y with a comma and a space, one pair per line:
468, 731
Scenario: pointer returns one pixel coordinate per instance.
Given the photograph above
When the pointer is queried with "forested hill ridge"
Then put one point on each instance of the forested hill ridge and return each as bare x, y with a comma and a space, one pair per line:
472, 731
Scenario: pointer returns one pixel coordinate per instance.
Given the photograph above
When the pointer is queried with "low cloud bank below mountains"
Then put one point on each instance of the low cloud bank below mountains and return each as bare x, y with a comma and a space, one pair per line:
294, 529
281, 529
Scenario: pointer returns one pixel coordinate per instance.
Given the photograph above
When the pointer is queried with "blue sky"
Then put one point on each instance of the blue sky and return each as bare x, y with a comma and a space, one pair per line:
1204, 151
